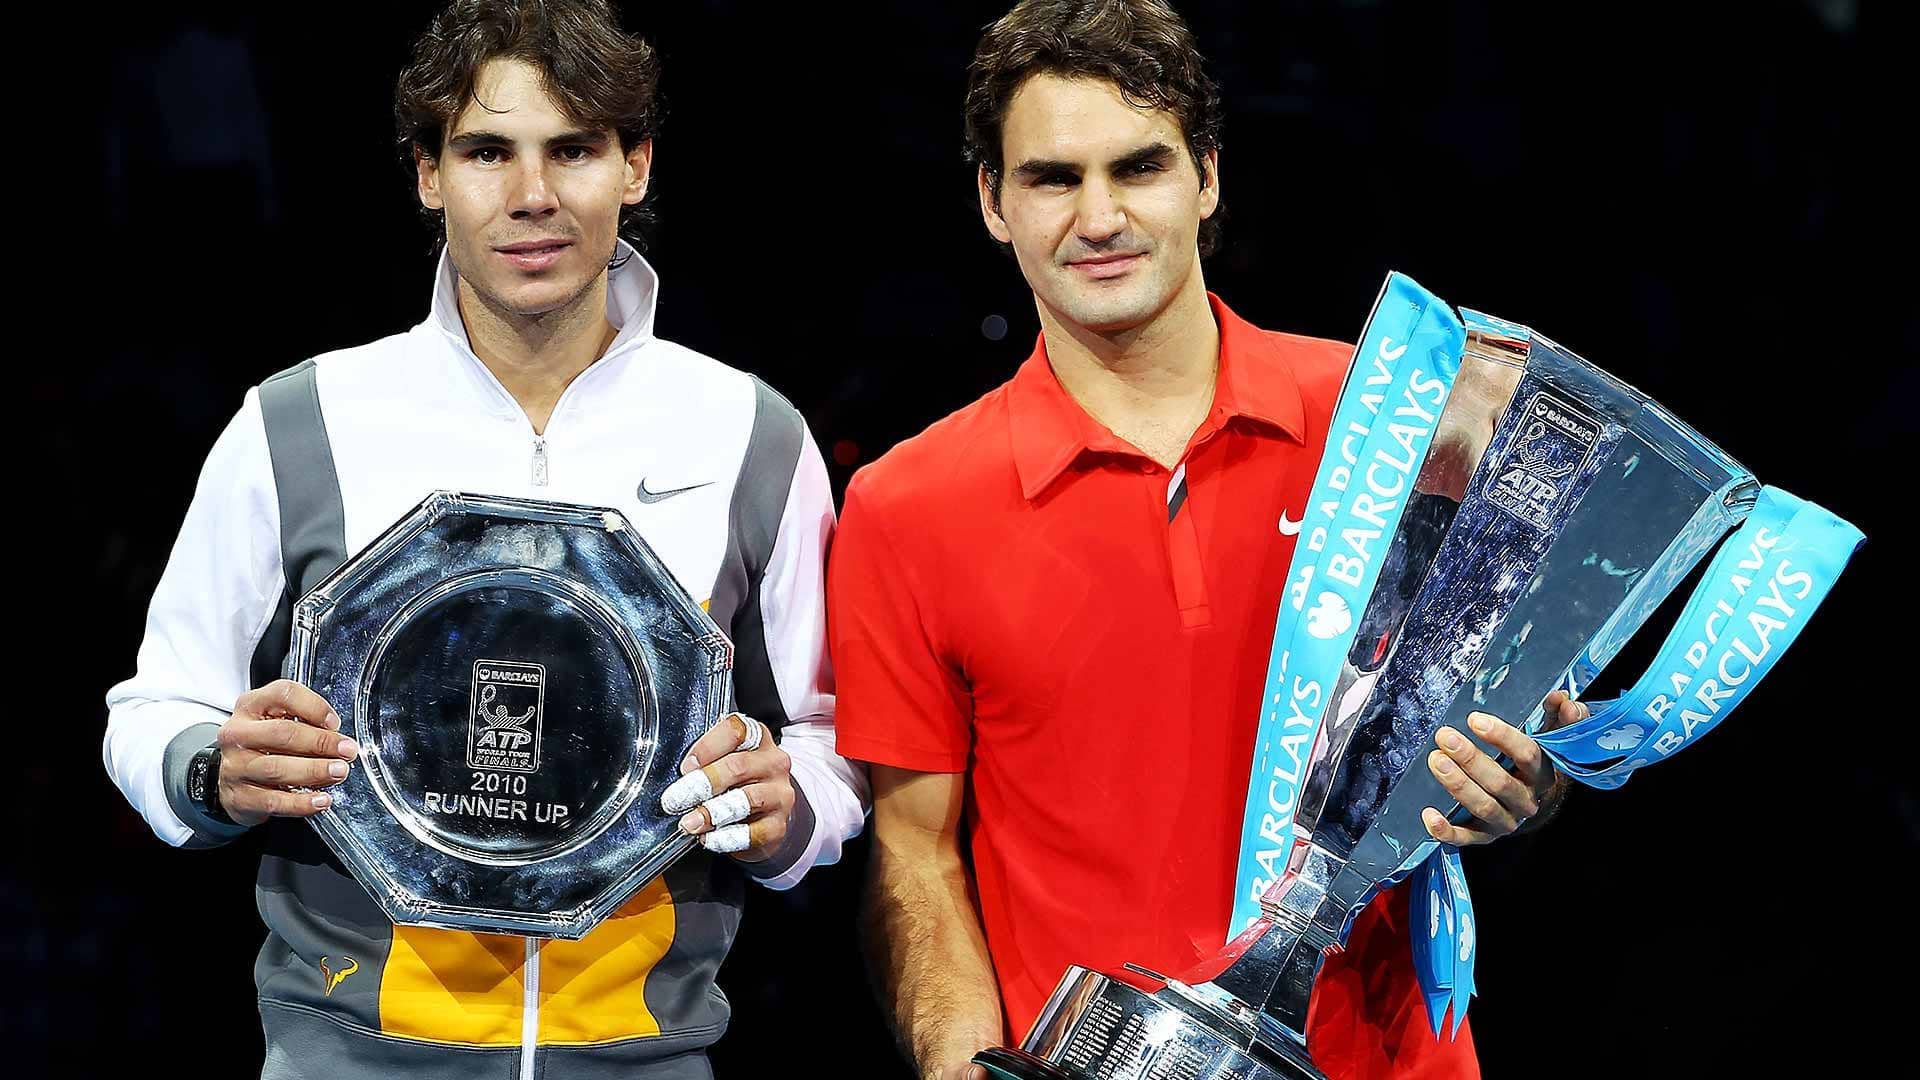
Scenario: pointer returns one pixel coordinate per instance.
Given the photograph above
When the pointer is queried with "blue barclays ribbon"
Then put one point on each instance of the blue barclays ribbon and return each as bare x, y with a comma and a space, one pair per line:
1433, 929
1389, 408
1446, 937
1466, 937
1756, 597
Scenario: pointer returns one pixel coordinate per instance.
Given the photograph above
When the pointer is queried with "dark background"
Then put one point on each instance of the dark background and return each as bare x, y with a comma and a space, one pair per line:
1684, 193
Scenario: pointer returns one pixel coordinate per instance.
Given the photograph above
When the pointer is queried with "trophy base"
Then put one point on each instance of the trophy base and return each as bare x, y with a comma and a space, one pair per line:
1098, 1028
1006, 1063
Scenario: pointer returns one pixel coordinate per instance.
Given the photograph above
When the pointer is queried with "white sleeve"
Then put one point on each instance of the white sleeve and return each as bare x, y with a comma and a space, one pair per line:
214, 601
793, 608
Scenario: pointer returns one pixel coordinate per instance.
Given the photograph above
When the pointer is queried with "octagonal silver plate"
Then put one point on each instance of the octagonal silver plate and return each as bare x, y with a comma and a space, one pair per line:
523, 678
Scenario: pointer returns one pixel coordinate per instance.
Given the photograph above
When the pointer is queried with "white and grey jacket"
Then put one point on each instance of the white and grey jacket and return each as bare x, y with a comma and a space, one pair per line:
319, 461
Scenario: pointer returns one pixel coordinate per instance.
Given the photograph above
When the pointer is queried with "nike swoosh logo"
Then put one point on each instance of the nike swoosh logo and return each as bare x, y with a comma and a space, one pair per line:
651, 497
1288, 528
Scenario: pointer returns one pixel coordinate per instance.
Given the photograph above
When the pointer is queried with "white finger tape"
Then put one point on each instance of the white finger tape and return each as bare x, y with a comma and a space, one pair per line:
755, 732
727, 840
729, 807
687, 792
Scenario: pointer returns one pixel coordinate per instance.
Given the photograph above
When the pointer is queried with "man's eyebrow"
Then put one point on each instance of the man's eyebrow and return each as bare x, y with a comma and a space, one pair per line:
1034, 168
579, 137
473, 140
1151, 153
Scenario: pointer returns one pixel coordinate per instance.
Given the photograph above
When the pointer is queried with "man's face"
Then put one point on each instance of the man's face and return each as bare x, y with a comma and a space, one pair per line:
1100, 200
532, 199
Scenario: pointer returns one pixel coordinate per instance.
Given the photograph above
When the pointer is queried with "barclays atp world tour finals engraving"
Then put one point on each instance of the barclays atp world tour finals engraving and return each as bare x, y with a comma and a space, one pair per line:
501, 739
524, 678
1557, 441
1556, 511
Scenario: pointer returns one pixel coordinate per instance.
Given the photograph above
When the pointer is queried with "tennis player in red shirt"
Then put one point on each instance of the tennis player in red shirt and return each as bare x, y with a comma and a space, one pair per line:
1050, 612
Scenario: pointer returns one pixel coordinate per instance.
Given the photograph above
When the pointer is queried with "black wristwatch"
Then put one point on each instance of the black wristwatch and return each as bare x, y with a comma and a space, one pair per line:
203, 784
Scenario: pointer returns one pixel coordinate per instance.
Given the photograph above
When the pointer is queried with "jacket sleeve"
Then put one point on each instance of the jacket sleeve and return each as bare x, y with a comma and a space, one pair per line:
214, 600
832, 795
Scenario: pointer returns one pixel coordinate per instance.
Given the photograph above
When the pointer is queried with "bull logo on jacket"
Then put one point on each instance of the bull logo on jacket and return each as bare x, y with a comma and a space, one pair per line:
334, 978
503, 725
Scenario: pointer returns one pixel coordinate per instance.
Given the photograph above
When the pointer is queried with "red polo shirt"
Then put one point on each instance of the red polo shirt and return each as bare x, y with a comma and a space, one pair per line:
1018, 594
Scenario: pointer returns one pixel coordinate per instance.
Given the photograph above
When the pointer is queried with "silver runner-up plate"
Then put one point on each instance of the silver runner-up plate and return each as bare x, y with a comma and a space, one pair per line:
523, 678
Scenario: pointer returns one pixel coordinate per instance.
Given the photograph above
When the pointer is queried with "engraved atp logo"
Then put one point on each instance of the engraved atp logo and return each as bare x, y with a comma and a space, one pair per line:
334, 978
1556, 442
503, 725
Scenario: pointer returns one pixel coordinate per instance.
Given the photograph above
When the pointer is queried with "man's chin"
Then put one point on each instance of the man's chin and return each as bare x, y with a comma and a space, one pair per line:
531, 299
1108, 311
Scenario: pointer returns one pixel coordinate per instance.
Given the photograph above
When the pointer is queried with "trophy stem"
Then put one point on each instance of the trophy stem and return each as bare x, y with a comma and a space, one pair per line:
1279, 955
1275, 976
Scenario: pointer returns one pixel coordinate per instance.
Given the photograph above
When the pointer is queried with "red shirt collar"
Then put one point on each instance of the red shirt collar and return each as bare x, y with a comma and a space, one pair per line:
1050, 429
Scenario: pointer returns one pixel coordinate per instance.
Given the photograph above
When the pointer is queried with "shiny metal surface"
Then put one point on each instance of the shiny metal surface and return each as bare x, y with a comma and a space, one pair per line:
1099, 1027
1591, 503
1279, 967
1490, 369
1588, 507
523, 678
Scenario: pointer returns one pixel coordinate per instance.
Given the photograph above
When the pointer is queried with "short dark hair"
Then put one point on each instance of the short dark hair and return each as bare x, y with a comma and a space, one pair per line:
601, 76
1141, 46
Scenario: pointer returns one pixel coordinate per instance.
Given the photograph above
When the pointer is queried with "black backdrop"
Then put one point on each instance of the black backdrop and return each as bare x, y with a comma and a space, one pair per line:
1683, 193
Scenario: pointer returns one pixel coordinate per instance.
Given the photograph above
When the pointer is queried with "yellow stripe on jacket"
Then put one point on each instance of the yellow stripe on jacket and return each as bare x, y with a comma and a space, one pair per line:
452, 986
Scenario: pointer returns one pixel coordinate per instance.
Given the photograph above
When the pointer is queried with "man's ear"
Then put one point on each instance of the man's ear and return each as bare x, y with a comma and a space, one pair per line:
1210, 185
990, 206
427, 179
639, 171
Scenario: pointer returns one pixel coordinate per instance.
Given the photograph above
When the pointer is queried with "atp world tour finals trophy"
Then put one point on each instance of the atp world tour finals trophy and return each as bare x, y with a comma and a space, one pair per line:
523, 678
1493, 519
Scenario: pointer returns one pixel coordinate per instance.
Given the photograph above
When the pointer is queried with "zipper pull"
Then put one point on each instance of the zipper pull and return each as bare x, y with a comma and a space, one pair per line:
539, 461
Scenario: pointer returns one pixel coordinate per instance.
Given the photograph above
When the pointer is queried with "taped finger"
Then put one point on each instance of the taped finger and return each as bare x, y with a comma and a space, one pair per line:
728, 807
727, 840
687, 792
755, 732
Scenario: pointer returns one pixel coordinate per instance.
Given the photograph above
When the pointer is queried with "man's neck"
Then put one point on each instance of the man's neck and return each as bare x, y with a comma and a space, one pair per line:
1151, 385
535, 357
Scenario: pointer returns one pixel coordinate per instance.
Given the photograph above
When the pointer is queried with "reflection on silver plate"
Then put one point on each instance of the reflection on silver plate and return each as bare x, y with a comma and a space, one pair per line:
523, 678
